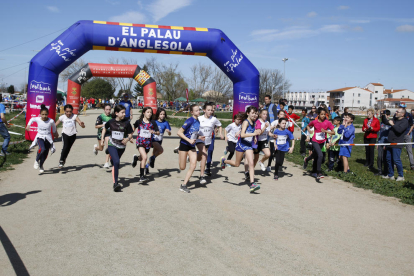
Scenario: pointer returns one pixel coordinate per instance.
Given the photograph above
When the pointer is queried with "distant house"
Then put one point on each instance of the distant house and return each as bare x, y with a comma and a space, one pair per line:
351, 97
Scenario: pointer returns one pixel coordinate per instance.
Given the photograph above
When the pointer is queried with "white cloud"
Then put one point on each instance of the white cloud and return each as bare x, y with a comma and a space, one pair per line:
360, 21
53, 9
129, 17
296, 32
312, 14
333, 28
161, 8
358, 29
140, 5
343, 7
263, 32
405, 29
112, 2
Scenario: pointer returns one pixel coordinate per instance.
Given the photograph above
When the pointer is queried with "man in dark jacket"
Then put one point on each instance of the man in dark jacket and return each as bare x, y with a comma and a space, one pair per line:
396, 135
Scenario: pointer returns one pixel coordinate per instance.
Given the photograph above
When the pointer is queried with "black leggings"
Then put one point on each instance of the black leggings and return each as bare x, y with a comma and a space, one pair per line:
115, 154
369, 151
303, 144
317, 157
67, 145
280, 157
272, 153
231, 147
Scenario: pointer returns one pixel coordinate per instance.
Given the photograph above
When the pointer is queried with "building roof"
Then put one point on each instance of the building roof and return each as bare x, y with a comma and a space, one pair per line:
388, 91
348, 88
376, 84
396, 100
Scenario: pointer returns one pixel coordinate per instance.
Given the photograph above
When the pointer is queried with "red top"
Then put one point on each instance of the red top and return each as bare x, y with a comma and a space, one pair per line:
318, 136
375, 125
294, 117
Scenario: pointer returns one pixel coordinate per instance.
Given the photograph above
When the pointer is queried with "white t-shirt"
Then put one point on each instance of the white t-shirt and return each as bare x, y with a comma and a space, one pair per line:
232, 129
69, 124
272, 125
263, 136
207, 126
43, 128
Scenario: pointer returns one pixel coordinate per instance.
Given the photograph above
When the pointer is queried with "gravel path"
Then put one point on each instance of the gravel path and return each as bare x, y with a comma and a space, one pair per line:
69, 221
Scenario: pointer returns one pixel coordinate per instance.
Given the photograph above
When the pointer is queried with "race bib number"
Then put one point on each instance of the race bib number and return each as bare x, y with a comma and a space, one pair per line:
194, 136
320, 136
145, 133
248, 139
281, 139
69, 123
206, 131
158, 137
207, 141
290, 124
117, 135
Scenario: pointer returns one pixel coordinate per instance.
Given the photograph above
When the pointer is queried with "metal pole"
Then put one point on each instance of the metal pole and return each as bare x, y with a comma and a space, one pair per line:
284, 76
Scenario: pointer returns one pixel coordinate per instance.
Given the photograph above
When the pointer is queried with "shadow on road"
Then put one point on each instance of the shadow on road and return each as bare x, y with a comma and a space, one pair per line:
10, 199
15, 260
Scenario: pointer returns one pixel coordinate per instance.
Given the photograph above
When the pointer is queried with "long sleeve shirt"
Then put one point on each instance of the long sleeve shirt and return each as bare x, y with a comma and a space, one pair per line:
397, 132
348, 134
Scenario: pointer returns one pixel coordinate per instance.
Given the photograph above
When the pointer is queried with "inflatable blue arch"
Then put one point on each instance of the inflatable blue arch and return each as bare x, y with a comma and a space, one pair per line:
84, 36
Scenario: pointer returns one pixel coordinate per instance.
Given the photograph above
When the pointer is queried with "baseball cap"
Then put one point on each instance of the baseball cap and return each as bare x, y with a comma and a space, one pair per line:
403, 105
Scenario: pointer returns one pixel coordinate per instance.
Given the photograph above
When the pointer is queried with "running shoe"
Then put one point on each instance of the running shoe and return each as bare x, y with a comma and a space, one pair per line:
188, 159
147, 169
41, 170
228, 165
117, 187
400, 178
152, 162
314, 175
246, 176
222, 164
305, 163
184, 189
387, 177
276, 177
61, 164
320, 176
176, 150
106, 165
269, 169
134, 161
202, 180
52, 151
226, 151
254, 187
208, 172
262, 166
142, 178
36, 165
94, 149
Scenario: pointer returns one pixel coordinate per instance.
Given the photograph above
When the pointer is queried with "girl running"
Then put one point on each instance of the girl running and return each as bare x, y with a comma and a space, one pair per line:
281, 144
321, 127
69, 131
189, 132
163, 125
44, 136
146, 128
100, 124
262, 139
232, 134
121, 133
275, 124
245, 146
207, 126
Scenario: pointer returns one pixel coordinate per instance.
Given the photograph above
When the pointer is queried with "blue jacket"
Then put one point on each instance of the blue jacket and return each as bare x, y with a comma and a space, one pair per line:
348, 134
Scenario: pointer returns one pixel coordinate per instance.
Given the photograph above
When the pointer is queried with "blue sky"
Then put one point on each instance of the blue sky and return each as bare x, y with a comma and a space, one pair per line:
329, 44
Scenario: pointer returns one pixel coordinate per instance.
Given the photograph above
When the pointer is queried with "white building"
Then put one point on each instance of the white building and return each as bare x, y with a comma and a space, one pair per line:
307, 99
351, 97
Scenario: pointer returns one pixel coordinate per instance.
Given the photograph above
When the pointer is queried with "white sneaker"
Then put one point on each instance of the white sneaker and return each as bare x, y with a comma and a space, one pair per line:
41, 170
176, 150
400, 178
106, 165
262, 166
94, 149
269, 169
36, 165
188, 159
52, 151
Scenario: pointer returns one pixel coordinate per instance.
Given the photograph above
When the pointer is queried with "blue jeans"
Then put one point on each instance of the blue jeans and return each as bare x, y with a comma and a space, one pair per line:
5, 133
394, 157
210, 154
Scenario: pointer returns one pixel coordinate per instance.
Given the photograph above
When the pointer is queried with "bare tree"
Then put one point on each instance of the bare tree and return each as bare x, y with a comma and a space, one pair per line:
124, 84
222, 84
170, 82
271, 82
200, 79
72, 69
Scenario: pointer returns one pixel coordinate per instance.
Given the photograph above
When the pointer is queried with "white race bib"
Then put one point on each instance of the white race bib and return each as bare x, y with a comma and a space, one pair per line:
206, 131
69, 123
117, 135
281, 139
207, 141
145, 133
248, 139
194, 136
158, 137
320, 136
290, 124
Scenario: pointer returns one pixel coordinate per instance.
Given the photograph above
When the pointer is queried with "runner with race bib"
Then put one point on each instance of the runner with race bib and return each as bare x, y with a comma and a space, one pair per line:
163, 126
207, 125
146, 128
282, 145
121, 133
232, 134
100, 124
262, 139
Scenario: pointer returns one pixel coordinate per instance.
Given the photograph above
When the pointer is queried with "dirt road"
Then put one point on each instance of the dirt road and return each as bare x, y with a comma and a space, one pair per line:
69, 221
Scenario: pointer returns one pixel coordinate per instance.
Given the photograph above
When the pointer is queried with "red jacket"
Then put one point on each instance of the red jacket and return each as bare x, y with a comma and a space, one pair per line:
375, 125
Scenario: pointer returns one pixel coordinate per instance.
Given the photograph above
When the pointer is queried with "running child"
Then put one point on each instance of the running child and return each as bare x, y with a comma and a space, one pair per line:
321, 127
69, 131
232, 134
275, 124
347, 130
100, 124
210, 150
292, 118
282, 145
189, 132
332, 146
163, 126
44, 137
245, 146
146, 128
262, 139
207, 125
121, 133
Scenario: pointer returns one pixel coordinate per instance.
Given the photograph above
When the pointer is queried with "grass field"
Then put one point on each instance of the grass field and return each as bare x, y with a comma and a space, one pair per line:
364, 178
18, 151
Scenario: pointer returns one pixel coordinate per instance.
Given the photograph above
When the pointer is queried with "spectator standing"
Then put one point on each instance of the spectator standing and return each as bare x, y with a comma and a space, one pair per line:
3, 130
370, 128
128, 107
335, 113
407, 136
383, 139
345, 113
271, 109
396, 133
312, 114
